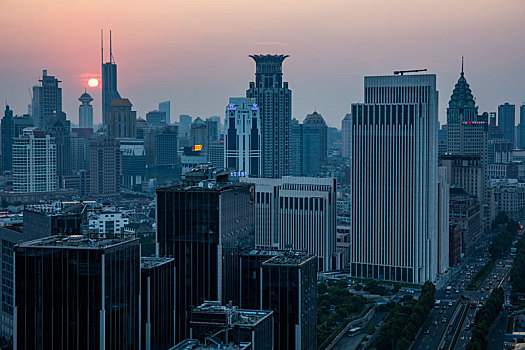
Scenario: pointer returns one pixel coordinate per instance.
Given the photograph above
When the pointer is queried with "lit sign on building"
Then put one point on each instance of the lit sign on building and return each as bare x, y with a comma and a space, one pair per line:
197, 147
470, 122
238, 174
231, 107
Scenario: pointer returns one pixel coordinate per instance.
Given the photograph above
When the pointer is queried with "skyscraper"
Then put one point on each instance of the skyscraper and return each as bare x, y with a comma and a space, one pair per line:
47, 100
156, 119
85, 111
109, 80
199, 135
521, 129
243, 136
507, 120
95, 283
121, 120
34, 162
166, 108
12, 127
346, 127
59, 128
275, 102
204, 225
161, 146
185, 124
313, 144
104, 165
394, 179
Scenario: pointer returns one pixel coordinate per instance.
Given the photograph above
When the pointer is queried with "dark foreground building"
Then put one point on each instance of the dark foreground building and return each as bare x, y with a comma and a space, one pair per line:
73, 292
157, 280
204, 225
286, 283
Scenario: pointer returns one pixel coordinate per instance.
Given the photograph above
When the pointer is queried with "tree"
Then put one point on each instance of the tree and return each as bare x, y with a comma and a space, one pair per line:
371, 328
322, 288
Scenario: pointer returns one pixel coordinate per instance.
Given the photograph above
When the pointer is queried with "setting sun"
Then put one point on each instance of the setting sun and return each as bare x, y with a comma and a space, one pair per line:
93, 82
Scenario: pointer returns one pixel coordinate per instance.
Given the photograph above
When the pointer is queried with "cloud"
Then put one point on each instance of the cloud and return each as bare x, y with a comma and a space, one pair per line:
272, 43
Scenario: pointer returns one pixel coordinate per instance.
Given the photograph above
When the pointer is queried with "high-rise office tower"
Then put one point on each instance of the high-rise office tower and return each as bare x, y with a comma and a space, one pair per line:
166, 108
73, 292
59, 128
199, 135
275, 102
286, 283
296, 212
216, 153
47, 100
346, 129
157, 294
109, 81
156, 119
185, 124
394, 179
213, 124
121, 120
12, 127
507, 120
34, 162
80, 139
314, 148
85, 111
443, 220
204, 225
104, 165
161, 146
296, 159
243, 136
521, 129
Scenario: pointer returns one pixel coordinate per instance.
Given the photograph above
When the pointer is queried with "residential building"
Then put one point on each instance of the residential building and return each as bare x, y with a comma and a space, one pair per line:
297, 213
275, 102
507, 121
12, 127
243, 136
394, 179
71, 274
205, 223
46, 100
121, 120
107, 223
34, 162
104, 165
85, 111
157, 303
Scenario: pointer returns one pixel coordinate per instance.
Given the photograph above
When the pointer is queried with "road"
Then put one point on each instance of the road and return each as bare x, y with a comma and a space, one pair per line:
351, 343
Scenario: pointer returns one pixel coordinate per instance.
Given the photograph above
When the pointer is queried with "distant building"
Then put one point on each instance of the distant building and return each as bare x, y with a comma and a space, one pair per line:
443, 220
107, 223
213, 126
467, 172
227, 323
185, 124
216, 153
243, 136
157, 285
121, 119
347, 136
11, 128
109, 85
507, 121
85, 111
156, 119
72, 274
521, 128
105, 162
275, 102
59, 128
297, 213
41, 224
133, 159
500, 151
286, 283
510, 197
166, 108
465, 212
34, 162
442, 140
161, 146
47, 100
309, 140
454, 252
80, 139
199, 136
218, 217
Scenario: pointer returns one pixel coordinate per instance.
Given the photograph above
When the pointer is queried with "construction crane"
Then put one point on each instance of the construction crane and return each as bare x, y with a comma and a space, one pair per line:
401, 72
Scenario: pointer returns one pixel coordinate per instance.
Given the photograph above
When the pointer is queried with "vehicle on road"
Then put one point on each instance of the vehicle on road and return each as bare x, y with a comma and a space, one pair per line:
353, 331
444, 320
437, 304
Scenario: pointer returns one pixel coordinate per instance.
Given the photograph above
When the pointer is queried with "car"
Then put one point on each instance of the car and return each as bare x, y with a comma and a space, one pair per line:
449, 303
435, 323
443, 320
427, 332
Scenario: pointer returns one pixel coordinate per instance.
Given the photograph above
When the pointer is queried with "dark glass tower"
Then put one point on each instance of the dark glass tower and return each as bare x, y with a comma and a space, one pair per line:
275, 103
109, 82
11, 128
73, 292
204, 227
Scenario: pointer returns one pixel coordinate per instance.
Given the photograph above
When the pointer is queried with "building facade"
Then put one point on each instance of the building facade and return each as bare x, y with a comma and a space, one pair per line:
346, 127
85, 111
47, 100
394, 179
507, 121
275, 102
77, 276
104, 165
243, 136
34, 162
156, 119
121, 120
297, 213
12, 127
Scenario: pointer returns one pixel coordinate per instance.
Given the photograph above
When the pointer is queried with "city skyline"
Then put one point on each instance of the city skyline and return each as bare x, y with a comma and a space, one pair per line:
186, 58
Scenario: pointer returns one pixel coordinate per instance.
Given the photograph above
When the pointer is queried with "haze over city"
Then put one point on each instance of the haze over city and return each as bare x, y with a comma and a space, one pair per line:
196, 53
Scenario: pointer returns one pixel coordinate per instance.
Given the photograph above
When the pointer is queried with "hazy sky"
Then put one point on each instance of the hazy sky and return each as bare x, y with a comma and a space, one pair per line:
195, 52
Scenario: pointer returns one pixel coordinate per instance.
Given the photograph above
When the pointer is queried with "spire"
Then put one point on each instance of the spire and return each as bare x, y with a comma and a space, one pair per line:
462, 66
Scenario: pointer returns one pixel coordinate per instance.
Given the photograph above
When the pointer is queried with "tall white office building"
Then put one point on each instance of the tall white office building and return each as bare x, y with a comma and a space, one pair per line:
34, 162
394, 179
243, 136
296, 213
85, 111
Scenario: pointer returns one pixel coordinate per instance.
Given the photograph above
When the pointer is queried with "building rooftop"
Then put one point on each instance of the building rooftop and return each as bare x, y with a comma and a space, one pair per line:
76, 242
290, 258
152, 262
238, 316
121, 102
192, 344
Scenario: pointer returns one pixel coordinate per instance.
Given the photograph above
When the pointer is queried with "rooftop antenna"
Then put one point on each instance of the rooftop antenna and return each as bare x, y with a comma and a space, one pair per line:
111, 60
462, 65
102, 46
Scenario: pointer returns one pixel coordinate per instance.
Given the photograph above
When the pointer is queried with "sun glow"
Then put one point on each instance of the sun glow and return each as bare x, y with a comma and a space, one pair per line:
93, 82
